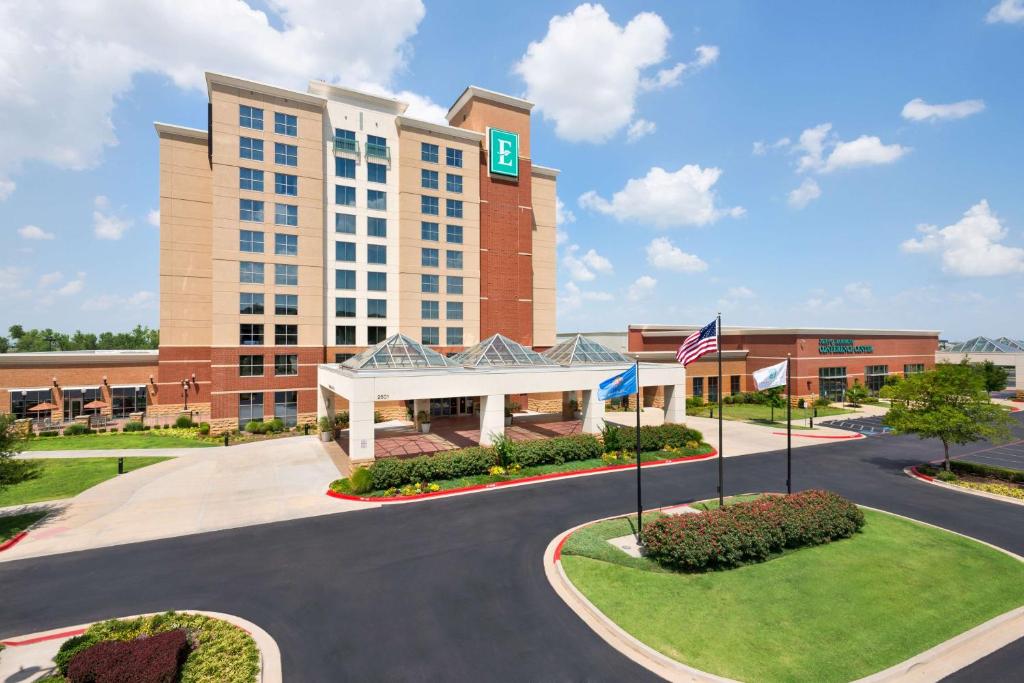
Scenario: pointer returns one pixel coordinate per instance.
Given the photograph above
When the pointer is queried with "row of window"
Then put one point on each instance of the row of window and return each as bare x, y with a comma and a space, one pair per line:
376, 200
430, 153
429, 181
251, 303
250, 407
432, 336
345, 167
346, 223
431, 310
698, 387
251, 241
430, 258
252, 118
249, 179
252, 211
375, 281
430, 284
252, 149
431, 206
251, 273
376, 254
285, 365
345, 335
251, 334
430, 232
345, 307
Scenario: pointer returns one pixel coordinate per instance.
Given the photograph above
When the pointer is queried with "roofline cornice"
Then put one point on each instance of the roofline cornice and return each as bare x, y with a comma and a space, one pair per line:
473, 91
213, 79
439, 129
163, 129
674, 330
337, 93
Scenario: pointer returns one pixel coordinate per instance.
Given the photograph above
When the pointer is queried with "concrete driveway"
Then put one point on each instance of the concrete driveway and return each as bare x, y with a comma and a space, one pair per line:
203, 489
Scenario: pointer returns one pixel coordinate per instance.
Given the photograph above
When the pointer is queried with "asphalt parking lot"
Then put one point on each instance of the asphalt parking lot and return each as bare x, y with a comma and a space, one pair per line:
1009, 455
868, 426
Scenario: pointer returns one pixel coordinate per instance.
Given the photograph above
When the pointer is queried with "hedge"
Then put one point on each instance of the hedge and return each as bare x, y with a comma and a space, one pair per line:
156, 659
652, 438
750, 532
962, 467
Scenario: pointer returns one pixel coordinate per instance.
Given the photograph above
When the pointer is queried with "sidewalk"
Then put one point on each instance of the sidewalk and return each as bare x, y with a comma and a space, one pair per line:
116, 453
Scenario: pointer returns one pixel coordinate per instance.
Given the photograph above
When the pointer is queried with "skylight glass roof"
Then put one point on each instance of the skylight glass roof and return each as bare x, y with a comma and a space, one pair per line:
397, 352
986, 345
582, 351
500, 351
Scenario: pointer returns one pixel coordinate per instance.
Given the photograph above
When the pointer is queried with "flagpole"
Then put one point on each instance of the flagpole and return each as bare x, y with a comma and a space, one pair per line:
789, 430
639, 498
721, 486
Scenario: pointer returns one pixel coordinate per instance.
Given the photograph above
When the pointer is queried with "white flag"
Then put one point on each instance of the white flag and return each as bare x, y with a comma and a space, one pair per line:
771, 376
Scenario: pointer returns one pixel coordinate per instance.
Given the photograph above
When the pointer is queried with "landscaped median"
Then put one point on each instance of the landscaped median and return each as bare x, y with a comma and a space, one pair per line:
508, 462
975, 478
806, 587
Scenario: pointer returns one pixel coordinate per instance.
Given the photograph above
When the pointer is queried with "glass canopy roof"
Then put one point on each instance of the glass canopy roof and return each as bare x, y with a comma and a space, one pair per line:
986, 345
582, 351
500, 351
397, 352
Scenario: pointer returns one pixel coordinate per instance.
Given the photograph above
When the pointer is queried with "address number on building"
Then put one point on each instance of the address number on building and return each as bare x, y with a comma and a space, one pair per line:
382, 397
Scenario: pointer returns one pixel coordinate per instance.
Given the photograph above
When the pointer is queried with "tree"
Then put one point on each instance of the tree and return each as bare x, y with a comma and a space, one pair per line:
12, 440
994, 377
856, 394
948, 403
49, 340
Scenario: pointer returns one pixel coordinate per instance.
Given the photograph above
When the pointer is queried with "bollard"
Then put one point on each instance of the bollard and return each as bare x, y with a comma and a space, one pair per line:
711, 412
120, 465
305, 429
812, 421
225, 438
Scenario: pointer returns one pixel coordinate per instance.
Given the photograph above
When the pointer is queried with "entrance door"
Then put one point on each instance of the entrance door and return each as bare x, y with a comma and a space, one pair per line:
72, 407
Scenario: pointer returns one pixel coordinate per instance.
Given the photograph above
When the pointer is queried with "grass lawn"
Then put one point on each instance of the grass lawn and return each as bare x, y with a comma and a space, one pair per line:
66, 477
12, 525
93, 442
755, 412
835, 612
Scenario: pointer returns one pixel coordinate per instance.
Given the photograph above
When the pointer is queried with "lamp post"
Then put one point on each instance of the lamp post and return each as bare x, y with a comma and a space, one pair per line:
184, 391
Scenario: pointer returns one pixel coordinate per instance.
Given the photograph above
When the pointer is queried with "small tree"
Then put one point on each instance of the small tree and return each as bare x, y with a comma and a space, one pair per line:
948, 403
994, 377
856, 394
12, 440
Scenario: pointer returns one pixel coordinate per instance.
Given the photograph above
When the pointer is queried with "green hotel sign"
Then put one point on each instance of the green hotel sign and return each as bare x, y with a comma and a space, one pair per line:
837, 346
503, 152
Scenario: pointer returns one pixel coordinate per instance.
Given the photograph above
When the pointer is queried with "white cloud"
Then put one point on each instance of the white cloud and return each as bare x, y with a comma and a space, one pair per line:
665, 198
639, 129
563, 216
73, 287
919, 110
1007, 12
573, 297
34, 232
812, 144
585, 268
970, 247
805, 194
760, 148
734, 295
858, 291
586, 72
66, 55
107, 225
153, 218
867, 150
12, 278
106, 302
6, 188
641, 288
664, 255
50, 279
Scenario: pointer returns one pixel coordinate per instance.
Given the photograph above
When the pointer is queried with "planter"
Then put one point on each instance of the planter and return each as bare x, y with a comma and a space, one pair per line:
508, 421
326, 437
578, 415
425, 427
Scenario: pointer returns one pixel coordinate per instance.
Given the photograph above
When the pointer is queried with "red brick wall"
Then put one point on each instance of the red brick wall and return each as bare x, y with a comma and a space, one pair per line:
177, 364
72, 375
227, 382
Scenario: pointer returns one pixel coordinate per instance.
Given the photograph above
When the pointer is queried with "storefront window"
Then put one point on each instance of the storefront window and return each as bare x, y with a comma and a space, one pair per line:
127, 400
832, 383
286, 407
22, 400
698, 387
874, 377
250, 408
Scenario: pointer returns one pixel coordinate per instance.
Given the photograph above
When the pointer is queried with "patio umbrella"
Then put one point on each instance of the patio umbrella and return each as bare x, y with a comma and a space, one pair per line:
42, 408
94, 405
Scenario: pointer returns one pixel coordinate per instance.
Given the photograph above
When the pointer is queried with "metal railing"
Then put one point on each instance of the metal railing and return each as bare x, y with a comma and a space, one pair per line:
378, 151
346, 146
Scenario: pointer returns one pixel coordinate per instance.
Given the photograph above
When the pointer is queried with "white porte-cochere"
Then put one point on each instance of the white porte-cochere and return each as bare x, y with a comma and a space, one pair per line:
401, 369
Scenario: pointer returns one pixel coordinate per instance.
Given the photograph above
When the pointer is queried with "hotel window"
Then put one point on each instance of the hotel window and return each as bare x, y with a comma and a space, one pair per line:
250, 148
429, 284
250, 408
286, 214
344, 306
286, 335
429, 258
874, 377
345, 251
21, 401
286, 365
344, 167
734, 384
832, 383
250, 303
344, 195
376, 254
285, 124
376, 226
428, 231
376, 146
698, 387
377, 200
344, 335
453, 157
250, 366
250, 273
376, 173
428, 205
127, 400
287, 184
286, 275
377, 282
345, 279
428, 179
250, 241
375, 334
376, 308
453, 259
453, 310
453, 183
286, 407
913, 368
453, 284
250, 117
454, 336
345, 141
713, 389
286, 245
250, 179
428, 152
250, 334
345, 223
455, 234
453, 208
429, 310
286, 304
429, 335
342, 357
250, 210
286, 155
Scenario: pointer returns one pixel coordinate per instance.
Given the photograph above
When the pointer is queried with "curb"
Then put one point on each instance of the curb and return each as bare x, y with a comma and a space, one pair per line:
523, 481
13, 540
915, 474
932, 664
824, 436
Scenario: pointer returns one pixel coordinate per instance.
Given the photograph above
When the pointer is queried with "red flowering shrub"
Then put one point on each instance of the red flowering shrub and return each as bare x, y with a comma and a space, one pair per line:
750, 532
155, 659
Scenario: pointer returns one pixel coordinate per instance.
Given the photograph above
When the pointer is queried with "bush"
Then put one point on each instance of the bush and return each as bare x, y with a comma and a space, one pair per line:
254, 427
184, 422
801, 404
822, 402
750, 532
556, 451
943, 475
50, 432
695, 402
652, 438
393, 472
360, 481
377, 416
70, 648
76, 429
155, 659
204, 428
961, 467
275, 426
341, 419
133, 426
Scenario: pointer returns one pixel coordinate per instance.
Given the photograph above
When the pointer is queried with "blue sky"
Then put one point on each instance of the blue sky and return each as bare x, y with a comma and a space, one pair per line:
826, 163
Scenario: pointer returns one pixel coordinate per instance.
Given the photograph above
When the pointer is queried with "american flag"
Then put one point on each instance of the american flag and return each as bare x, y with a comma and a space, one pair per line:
701, 342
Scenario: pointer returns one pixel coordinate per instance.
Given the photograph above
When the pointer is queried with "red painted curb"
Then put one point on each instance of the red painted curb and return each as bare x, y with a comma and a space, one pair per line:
10, 542
557, 557
923, 477
41, 639
538, 477
824, 436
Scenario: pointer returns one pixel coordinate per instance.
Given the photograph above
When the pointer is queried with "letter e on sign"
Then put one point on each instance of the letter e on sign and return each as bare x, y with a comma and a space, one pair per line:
503, 152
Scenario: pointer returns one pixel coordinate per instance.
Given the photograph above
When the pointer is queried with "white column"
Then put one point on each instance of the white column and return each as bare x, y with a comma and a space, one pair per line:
492, 418
593, 412
360, 431
420, 404
325, 404
675, 403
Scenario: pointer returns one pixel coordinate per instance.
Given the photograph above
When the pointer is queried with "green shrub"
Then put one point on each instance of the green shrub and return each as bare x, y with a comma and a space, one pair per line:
254, 427
962, 467
822, 402
275, 426
654, 438
801, 404
695, 402
204, 428
360, 481
49, 432
341, 419
70, 648
133, 426
504, 450
76, 429
324, 424
611, 436
377, 416
394, 472
943, 475
183, 422
556, 451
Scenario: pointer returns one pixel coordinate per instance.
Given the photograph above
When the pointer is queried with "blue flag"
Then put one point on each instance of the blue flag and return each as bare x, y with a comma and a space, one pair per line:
622, 384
